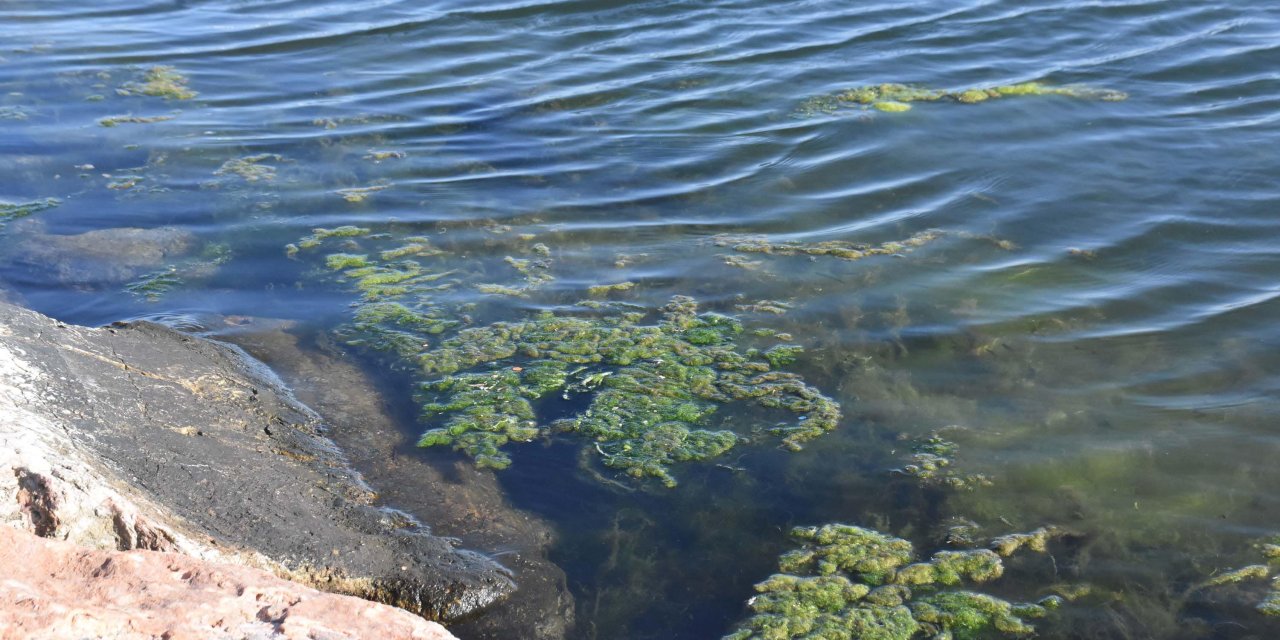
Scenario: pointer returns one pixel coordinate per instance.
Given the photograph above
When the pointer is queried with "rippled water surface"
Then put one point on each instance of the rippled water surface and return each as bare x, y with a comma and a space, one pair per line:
1094, 327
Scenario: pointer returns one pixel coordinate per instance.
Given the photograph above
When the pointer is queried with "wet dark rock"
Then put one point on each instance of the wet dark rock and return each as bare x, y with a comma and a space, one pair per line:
461, 501
138, 436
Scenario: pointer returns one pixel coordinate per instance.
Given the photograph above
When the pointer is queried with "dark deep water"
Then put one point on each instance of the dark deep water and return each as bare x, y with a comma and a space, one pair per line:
1096, 328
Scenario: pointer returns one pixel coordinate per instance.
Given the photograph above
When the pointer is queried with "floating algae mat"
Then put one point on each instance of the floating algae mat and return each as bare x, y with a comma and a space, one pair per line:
653, 382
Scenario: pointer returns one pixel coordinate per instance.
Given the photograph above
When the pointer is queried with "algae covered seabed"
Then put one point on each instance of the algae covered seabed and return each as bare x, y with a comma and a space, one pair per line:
941, 320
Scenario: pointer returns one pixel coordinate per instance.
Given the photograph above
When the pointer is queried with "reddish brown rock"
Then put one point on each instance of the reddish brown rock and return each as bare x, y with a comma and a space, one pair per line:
54, 589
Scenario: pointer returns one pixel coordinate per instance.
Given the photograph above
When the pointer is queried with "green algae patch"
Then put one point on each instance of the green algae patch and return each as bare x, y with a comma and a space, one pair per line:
356, 195
601, 290
343, 261
320, 235
650, 383
251, 168
377, 156
897, 98
14, 211
774, 307
842, 249
854, 583
153, 286
931, 463
1037, 540
162, 82
1251, 572
114, 121
891, 106
1269, 604
652, 387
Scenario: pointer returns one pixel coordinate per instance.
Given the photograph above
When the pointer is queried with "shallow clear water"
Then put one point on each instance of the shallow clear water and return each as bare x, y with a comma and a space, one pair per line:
1097, 321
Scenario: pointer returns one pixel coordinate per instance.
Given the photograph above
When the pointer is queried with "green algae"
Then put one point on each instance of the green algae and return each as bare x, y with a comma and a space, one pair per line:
1037, 540
965, 614
840, 547
162, 82
356, 195
1251, 572
251, 168
415, 246
377, 156
500, 290
741, 262
340, 261
13, 211
113, 121
601, 290
775, 307
535, 271
651, 383
652, 387
931, 462
897, 98
124, 183
153, 286
320, 235
842, 249
1269, 604
867, 588
891, 106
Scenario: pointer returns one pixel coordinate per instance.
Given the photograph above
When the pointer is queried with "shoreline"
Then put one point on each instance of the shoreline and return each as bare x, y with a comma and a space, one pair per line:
140, 437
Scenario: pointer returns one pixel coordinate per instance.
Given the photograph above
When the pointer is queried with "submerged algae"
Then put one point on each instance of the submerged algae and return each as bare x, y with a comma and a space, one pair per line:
650, 389
155, 285
161, 82
837, 248
893, 98
1270, 603
866, 590
251, 168
14, 211
931, 463
357, 195
113, 121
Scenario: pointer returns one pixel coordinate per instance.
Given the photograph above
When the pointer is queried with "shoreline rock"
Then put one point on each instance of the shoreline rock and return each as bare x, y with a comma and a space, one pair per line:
55, 589
456, 500
137, 436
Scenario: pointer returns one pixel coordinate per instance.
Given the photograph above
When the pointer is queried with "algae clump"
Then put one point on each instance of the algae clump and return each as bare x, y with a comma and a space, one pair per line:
649, 384
153, 286
160, 81
652, 387
867, 588
891, 106
842, 249
251, 168
14, 211
113, 121
896, 98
